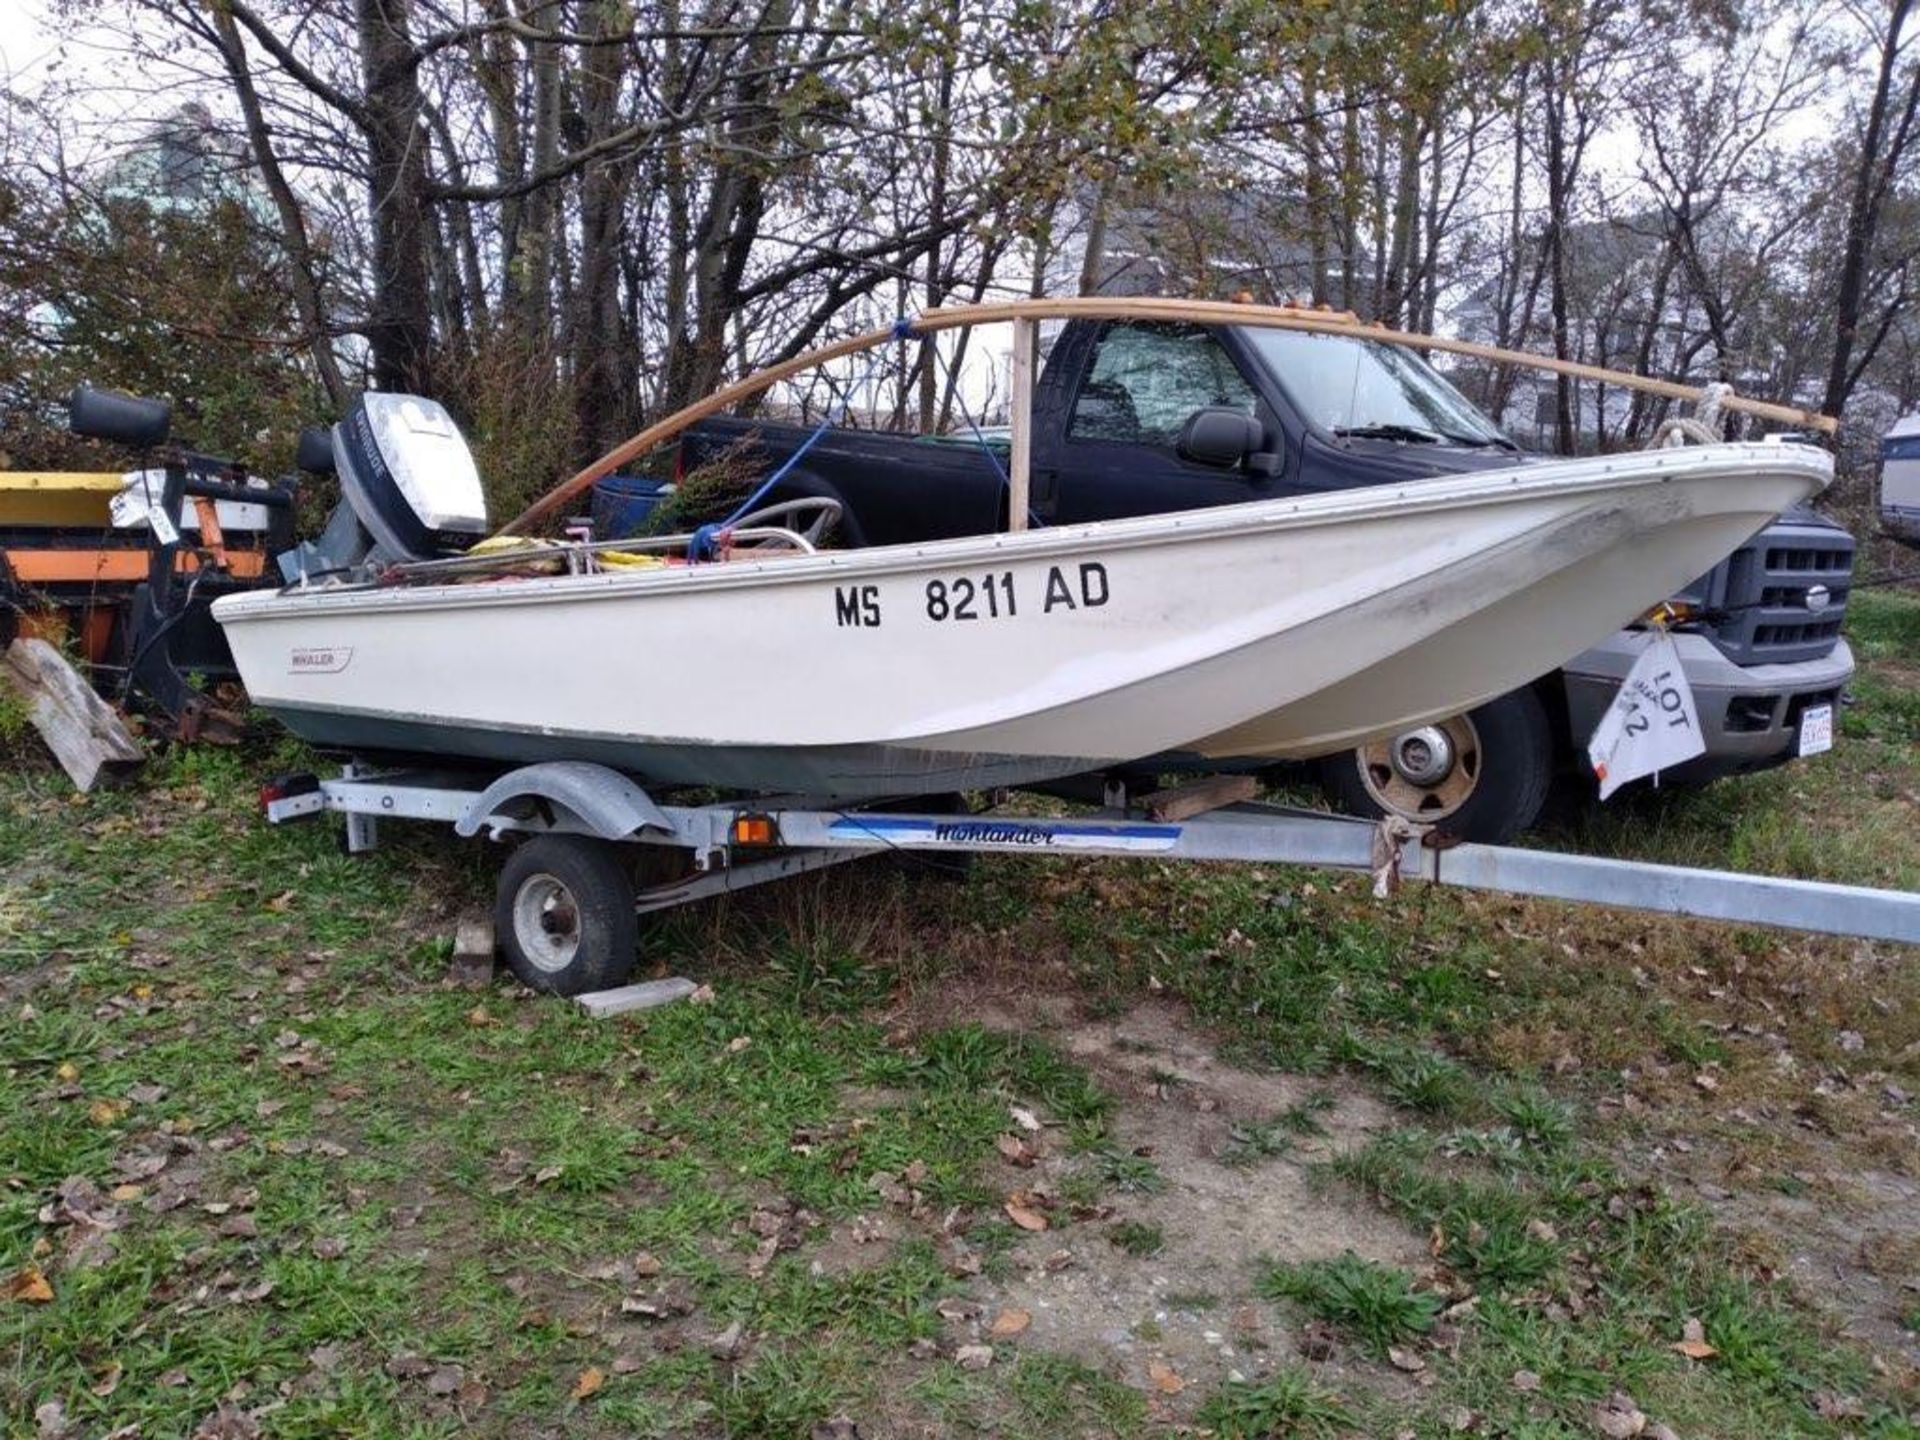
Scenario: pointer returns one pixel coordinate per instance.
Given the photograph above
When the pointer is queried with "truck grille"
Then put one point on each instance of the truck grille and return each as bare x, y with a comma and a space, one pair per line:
1759, 594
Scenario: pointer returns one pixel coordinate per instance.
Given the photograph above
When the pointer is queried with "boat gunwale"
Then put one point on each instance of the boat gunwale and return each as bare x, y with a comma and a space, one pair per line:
1590, 475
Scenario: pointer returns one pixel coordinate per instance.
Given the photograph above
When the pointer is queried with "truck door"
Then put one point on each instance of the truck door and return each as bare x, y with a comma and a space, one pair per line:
1117, 454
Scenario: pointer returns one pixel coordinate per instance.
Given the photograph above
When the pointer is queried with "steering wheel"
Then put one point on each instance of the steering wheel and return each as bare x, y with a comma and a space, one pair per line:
822, 514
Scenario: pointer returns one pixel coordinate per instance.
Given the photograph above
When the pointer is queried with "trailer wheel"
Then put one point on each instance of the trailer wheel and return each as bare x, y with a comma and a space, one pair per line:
1481, 776
564, 914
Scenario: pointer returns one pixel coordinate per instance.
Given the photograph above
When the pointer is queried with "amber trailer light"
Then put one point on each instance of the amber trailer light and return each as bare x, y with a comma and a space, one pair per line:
755, 830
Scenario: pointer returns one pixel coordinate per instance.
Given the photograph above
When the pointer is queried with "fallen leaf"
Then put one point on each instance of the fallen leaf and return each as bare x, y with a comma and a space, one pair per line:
409, 1366
67, 1073
227, 1422
1024, 1118
105, 1112
645, 1266
728, 1344
973, 1357
1405, 1360
1024, 1217
1693, 1341
27, 1285
1831, 1405
1014, 1150
1165, 1378
738, 1043
1010, 1322
107, 1381
1619, 1418
480, 1017
589, 1383
1525, 1380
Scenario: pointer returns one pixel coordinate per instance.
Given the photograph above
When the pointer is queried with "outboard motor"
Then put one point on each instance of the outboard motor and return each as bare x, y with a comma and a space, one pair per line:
409, 489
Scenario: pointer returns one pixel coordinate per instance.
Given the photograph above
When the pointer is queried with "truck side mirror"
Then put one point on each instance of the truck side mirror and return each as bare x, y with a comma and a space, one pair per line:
1219, 435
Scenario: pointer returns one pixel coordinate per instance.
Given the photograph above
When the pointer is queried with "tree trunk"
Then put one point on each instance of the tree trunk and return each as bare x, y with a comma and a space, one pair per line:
400, 329
1880, 155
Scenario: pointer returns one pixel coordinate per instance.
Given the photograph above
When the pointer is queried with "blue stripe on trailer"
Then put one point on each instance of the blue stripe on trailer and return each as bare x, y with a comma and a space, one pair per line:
1004, 834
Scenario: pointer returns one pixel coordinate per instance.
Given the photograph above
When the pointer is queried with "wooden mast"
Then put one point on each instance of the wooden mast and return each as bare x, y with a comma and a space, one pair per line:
1197, 312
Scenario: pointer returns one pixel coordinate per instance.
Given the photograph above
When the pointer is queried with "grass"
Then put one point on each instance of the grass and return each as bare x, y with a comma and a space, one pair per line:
1376, 1304
468, 1177
1138, 1238
1287, 1405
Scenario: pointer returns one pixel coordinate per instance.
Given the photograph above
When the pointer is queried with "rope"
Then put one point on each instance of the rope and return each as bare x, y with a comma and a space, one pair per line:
1700, 428
986, 447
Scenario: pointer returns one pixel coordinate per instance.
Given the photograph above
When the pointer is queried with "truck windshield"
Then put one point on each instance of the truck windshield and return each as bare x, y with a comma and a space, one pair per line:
1361, 387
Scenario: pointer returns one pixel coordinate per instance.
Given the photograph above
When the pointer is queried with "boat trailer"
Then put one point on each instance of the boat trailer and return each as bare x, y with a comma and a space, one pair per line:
566, 909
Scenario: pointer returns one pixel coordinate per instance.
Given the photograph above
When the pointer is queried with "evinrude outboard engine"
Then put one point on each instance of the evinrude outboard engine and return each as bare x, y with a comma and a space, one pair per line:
409, 489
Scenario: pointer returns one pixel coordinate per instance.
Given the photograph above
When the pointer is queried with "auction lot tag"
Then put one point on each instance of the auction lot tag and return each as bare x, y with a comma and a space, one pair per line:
1652, 723
163, 527
1816, 730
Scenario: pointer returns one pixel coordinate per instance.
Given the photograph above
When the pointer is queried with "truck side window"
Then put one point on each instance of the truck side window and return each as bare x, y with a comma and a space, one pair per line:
1146, 380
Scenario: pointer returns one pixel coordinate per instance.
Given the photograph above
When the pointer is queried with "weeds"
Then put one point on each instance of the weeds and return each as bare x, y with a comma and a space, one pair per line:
1138, 1238
1287, 1404
1376, 1304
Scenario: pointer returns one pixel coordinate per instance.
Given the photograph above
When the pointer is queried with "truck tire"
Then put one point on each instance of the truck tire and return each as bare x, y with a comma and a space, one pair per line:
564, 914
1482, 776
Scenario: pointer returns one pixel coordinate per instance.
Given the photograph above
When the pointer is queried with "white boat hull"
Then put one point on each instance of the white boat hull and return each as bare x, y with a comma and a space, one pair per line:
1282, 629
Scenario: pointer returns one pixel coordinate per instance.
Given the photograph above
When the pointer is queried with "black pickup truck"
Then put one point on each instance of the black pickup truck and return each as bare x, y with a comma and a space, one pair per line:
1135, 419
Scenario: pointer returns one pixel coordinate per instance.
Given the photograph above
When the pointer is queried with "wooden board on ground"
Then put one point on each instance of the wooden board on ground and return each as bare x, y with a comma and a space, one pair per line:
472, 962
81, 729
644, 996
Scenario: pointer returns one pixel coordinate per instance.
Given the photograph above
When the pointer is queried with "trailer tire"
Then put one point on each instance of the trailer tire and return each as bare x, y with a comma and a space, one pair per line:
1495, 786
564, 914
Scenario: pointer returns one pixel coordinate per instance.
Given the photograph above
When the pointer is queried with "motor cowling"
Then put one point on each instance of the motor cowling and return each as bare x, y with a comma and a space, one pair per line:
406, 470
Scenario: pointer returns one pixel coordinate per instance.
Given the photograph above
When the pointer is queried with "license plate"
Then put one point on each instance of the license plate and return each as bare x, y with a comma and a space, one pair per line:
1816, 729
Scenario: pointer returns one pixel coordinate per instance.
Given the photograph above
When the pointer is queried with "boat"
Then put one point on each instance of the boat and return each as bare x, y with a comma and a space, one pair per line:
1286, 628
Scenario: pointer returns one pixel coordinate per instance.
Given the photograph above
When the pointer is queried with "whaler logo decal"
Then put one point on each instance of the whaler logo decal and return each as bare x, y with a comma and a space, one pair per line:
320, 660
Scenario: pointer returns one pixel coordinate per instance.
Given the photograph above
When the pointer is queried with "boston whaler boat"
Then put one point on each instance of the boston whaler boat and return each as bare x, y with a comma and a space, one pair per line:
1281, 629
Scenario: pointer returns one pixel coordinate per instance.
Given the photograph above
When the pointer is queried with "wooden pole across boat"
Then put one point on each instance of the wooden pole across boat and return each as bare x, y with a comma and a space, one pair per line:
1020, 426
1138, 308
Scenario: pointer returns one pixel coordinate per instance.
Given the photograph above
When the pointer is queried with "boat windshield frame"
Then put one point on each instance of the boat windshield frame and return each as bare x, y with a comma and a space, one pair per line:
1428, 400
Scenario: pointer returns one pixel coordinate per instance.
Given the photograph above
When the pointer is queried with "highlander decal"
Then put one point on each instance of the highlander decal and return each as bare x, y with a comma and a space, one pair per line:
1004, 834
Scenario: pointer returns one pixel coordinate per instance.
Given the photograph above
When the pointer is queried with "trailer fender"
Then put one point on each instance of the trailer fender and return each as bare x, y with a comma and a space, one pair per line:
604, 802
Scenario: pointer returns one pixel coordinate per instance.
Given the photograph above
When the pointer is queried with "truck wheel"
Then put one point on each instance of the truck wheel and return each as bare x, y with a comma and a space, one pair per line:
564, 915
1481, 776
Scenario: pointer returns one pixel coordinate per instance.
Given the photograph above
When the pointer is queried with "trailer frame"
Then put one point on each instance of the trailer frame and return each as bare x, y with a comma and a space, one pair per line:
735, 845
